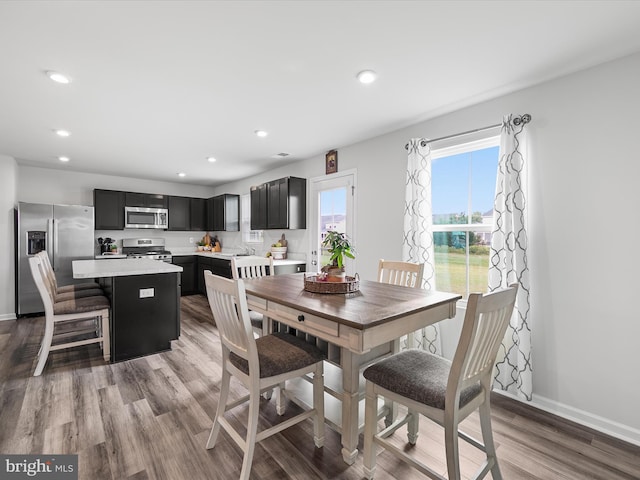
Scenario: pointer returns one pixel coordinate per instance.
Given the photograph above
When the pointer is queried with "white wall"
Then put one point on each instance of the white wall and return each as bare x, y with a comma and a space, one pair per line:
583, 224
48, 185
8, 180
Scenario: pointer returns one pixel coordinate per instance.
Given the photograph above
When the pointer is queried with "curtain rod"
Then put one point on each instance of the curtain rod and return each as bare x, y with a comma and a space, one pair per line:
517, 120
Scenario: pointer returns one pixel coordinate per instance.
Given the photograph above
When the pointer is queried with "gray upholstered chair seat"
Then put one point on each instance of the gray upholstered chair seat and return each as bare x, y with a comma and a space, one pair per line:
418, 375
77, 286
89, 292
79, 305
280, 353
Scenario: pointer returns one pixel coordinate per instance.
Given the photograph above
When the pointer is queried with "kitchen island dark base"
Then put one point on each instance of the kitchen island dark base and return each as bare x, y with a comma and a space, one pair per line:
145, 313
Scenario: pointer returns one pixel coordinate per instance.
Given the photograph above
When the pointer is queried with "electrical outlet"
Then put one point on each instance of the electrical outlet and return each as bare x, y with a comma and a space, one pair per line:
147, 292
190, 239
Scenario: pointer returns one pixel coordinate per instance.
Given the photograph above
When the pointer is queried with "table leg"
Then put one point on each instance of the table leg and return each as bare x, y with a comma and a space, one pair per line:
350, 405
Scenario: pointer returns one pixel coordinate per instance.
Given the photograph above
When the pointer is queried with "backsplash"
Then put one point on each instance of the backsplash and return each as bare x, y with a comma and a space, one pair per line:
180, 241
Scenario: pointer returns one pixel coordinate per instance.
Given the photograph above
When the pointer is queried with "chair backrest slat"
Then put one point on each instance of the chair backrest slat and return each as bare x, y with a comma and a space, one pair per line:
38, 271
484, 327
228, 302
406, 274
251, 267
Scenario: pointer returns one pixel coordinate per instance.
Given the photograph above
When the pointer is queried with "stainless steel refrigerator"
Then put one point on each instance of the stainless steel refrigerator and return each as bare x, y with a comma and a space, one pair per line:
64, 231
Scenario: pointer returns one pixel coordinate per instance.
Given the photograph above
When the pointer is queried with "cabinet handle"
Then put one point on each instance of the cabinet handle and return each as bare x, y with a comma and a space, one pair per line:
301, 318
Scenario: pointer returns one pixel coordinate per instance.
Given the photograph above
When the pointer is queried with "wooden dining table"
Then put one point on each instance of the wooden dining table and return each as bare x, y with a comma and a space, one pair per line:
355, 328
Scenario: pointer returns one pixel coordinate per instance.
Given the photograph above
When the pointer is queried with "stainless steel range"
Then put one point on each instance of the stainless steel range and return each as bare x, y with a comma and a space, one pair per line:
151, 248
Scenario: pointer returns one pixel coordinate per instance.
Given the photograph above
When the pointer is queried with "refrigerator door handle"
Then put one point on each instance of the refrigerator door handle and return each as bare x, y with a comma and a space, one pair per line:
49, 241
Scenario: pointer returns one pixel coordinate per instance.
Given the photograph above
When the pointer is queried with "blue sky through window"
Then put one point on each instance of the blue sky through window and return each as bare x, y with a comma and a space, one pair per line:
450, 181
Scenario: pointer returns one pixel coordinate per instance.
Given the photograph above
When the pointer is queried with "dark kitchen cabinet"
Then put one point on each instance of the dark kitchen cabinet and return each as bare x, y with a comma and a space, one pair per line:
179, 213
223, 213
149, 200
282, 203
290, 268
259, 207
108, 209
218, 266
198, 216
142, 325
188, 276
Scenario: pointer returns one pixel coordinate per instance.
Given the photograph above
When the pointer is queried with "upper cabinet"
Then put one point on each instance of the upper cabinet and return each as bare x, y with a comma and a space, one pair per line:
198, 214
223, 213
185, 213
279, 204
259, 207
179, 213
150, 200
108, 209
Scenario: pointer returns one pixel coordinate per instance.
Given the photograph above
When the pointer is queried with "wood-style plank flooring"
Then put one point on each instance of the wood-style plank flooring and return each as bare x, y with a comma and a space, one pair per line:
149, 418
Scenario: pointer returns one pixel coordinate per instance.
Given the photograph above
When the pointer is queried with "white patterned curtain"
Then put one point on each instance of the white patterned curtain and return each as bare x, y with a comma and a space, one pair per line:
418, 235
508, 257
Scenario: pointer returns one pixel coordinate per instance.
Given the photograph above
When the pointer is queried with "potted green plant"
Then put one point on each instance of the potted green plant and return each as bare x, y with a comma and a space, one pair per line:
339, 247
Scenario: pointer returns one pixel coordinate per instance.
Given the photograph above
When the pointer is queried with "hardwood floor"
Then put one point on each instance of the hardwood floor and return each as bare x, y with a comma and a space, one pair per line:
149, 418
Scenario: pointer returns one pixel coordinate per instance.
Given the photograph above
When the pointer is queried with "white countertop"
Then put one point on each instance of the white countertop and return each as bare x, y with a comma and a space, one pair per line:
121, 267
227, 256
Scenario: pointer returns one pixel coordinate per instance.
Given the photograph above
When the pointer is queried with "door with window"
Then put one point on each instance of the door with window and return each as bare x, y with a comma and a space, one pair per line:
332, 207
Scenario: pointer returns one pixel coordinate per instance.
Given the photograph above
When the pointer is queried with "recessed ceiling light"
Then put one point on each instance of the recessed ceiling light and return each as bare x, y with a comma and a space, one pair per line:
58, 77
367, 76
63, 133
64, 159
182, 174
261, 133
211, 159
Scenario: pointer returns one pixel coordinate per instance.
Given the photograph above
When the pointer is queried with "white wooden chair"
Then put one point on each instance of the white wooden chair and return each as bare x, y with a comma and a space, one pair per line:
253, 267
259, 364
67, 292
445, 392
82, 321
406, 274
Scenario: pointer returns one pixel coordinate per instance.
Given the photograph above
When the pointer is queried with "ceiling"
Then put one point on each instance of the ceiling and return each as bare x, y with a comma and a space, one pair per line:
158, 86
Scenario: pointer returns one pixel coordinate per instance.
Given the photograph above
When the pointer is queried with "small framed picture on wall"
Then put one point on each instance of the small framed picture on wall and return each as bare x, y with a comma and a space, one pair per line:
332, 161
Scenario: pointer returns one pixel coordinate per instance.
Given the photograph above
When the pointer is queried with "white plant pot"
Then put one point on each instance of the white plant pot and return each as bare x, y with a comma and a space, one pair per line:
279, 253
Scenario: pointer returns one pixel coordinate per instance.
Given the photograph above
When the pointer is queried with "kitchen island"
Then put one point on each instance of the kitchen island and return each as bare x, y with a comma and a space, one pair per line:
145, 303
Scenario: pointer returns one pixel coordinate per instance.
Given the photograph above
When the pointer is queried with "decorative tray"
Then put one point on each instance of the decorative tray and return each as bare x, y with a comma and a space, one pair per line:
315, 284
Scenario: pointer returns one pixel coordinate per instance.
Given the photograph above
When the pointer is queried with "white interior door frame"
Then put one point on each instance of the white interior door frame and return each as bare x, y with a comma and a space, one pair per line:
346, 179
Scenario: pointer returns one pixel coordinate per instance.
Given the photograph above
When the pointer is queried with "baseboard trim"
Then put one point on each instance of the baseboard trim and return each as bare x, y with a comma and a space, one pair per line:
7, 316
601, 424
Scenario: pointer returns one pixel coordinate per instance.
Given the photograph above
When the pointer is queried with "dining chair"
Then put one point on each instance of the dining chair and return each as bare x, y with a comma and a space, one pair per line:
260, 365
407, 274
253, 267
82, 320
445, 392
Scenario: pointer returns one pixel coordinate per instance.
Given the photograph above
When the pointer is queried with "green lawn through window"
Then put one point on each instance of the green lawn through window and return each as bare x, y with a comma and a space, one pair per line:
451, 271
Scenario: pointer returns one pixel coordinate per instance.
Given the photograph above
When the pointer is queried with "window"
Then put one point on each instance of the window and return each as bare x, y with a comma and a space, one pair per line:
463, 183
248, 235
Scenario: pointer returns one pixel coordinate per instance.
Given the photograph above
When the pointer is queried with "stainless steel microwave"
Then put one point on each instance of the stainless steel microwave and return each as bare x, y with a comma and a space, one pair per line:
141, 217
